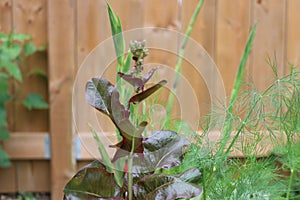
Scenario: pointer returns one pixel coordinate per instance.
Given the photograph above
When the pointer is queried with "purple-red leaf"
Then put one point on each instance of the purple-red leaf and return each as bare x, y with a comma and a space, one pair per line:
98, 94
93, 182
139, 83
127, 130
146, 93
162, 150
168, 187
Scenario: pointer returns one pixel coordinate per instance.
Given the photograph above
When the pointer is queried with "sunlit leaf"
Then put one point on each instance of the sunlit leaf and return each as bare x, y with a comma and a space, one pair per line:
4, 159
11, 51
116, 29
35, 101
38, 72
13, 70
29, 48
4, 134
20, 37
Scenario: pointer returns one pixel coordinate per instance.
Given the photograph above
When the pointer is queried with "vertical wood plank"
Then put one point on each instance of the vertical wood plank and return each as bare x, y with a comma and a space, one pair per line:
204, 28
61, 32
89, 35
269, 40
6, 20
33, 176
5, 15
293, 33
8, 177
30, 18
204, 34
130, 13
232, 31
156, 14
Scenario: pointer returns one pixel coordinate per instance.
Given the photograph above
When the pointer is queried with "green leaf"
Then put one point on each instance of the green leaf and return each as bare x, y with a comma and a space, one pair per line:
38, 72
13, 70
168, 187
35, 101
4, 134
4, 96
29, 48
12, 51
3, 37
105, 157
20, 37
116, 29
127, 62
93, 182
4, 159
3, 120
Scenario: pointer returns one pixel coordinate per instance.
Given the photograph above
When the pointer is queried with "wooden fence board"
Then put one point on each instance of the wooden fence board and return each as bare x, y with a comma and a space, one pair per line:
203, 33
72, 28
33, 176
30, 17
6, 21
28, 146
130, 13
61, 24
88, 36
8, 179
232, 31
269, 40
5, 15
293, 33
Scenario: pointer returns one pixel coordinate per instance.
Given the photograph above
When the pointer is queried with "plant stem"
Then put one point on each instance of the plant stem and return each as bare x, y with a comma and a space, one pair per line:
181, 53
290, 183
129, 172
234, 94
105, 157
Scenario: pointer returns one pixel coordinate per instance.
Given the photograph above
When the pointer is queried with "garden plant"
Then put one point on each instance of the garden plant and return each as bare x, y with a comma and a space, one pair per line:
14, 48
263, 126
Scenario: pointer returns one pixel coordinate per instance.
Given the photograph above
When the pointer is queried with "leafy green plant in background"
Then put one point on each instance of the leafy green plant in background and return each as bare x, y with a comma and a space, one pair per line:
13, 49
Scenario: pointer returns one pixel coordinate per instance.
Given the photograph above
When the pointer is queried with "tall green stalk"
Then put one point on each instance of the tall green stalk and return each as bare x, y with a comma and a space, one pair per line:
234, 94
129, 172
181, 54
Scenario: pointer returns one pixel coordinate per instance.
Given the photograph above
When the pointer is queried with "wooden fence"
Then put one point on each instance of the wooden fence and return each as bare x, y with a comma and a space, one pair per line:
42, 142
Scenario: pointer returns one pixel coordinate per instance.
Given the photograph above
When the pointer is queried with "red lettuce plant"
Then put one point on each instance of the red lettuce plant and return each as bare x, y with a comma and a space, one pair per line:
143, 158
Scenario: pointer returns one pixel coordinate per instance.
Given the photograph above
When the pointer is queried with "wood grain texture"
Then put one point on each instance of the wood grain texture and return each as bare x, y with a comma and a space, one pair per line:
5, 16
27, 145
33, 176
203, 33
293, 34
61, 24
8, 179
232, 29
6, 24
30, 17
269, 40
